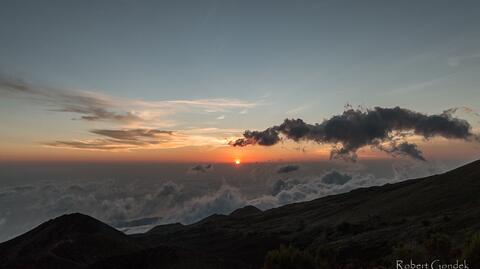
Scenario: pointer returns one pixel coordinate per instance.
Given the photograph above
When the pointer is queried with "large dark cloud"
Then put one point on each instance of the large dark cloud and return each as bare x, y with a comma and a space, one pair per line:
384, 128
89, 106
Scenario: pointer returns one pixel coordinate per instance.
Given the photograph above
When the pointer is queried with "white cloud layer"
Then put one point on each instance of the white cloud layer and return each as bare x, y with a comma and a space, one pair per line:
186, 201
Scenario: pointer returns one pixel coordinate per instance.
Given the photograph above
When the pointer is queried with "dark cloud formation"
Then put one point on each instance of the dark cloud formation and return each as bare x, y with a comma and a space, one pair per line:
336, 178
382, 128
404, 148
120, 139
288, 168
201, 168
90, 106
267, 137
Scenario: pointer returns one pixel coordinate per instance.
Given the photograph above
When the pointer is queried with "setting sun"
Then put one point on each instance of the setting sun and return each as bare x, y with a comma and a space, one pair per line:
237, 161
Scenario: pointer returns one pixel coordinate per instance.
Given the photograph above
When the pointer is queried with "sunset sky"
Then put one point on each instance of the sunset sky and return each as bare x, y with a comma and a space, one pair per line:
171, 111
150, 81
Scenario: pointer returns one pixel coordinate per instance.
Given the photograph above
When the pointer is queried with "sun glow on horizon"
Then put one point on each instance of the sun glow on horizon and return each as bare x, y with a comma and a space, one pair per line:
238, 161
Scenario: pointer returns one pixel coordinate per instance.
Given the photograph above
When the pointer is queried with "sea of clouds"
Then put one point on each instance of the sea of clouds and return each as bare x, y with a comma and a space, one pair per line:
137, 205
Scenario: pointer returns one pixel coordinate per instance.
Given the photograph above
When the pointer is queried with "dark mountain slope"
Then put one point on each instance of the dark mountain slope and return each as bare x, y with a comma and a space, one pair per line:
362, 226
167, 257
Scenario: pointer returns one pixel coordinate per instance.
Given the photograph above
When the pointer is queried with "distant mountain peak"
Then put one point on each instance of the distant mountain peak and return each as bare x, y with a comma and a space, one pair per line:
245, 211
78, 223
69, 239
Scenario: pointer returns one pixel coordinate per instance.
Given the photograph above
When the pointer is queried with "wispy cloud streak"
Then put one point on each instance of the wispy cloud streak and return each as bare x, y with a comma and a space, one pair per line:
89, 106
92, 106
131, 139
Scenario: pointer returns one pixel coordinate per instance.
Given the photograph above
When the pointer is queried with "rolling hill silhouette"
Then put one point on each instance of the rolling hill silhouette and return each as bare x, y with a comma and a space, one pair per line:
362, 226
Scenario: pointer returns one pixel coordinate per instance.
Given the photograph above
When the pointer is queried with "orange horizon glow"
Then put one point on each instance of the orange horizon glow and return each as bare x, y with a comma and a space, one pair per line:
287, 152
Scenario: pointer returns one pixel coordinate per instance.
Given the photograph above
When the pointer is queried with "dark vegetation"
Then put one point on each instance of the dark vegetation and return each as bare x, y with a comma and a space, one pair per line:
437, 246
437, 217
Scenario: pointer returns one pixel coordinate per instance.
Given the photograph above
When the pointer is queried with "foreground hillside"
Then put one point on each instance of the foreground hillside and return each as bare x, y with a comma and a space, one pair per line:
364, 228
